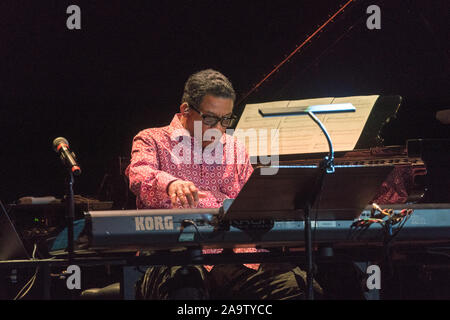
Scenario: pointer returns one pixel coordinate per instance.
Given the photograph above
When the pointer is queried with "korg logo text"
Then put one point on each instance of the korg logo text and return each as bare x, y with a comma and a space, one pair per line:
154, 223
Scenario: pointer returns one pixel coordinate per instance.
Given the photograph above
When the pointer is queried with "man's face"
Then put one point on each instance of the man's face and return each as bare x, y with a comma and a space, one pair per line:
210, 105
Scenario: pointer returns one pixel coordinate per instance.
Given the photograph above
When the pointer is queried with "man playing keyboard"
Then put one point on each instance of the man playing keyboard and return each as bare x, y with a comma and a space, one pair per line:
193, 163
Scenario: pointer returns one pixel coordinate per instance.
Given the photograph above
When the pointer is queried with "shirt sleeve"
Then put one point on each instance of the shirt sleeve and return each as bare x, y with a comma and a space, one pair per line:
244, 169
147, 181
213, 199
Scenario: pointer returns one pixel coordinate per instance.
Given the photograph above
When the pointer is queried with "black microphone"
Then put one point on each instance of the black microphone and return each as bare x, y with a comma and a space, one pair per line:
61, 146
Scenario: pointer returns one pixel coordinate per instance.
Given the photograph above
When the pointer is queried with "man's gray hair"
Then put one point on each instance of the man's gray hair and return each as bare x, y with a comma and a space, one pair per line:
205, 82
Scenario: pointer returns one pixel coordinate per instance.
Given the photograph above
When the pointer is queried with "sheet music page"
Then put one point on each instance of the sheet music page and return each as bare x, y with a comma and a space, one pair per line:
300, 134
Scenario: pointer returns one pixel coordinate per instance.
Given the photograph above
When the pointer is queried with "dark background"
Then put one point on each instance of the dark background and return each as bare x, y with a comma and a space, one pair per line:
125, 70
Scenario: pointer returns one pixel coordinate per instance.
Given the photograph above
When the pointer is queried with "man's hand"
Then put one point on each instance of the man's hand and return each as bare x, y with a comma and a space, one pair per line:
186, 192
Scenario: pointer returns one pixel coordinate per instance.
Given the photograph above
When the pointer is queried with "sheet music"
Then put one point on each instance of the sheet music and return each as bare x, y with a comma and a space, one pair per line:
299, 134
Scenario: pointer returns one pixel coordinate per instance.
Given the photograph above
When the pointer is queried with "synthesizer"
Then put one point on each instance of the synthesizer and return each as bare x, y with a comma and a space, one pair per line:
125, 230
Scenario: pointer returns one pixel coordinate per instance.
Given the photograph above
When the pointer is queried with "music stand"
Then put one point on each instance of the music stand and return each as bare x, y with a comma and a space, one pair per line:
292, 194
283, 196
312, 182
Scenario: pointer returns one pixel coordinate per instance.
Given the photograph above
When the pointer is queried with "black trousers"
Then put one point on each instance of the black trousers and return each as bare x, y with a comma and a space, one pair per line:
274, 281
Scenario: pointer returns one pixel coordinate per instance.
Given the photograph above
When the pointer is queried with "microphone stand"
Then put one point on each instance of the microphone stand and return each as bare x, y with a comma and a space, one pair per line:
70, 216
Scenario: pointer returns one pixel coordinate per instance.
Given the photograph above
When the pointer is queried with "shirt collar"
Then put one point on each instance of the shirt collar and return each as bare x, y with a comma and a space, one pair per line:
176, 123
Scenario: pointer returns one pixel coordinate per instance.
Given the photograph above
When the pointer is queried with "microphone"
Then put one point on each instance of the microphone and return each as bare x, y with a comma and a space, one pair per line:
61, 146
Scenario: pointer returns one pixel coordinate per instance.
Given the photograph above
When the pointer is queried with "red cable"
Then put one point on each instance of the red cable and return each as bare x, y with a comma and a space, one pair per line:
295, 51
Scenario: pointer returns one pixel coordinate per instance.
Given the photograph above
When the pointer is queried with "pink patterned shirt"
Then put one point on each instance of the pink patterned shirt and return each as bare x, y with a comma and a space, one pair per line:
152, 168
155, 162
